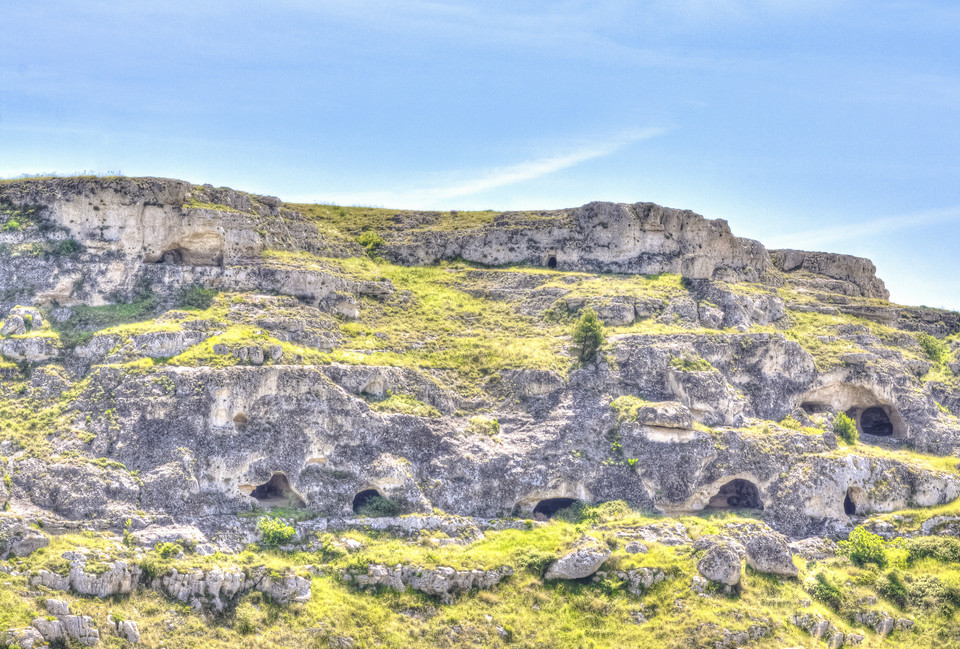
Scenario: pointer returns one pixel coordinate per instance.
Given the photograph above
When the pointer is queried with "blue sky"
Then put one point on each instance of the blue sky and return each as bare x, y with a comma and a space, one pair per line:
804, 123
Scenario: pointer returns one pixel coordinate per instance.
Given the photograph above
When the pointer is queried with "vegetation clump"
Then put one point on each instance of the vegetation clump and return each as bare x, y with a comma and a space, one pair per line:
483, 426
379, 507
936, 350
275, 531
372, 243
846, 429
864, 547
588, 334
404, 404
691, 363
197, 297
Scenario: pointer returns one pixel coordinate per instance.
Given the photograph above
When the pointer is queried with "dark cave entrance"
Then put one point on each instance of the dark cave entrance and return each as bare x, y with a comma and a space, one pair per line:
551, 506
812, 408
875, 421
855, 502
737, 494
363, 498
277, 492
240, 420
173, 256
552, 261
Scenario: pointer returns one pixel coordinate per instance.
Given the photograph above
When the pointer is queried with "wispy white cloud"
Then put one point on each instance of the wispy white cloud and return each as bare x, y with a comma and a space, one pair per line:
476, 182
808, 239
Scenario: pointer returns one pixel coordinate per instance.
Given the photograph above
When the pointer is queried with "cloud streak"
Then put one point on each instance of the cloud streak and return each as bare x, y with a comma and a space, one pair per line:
864, 229
497, 177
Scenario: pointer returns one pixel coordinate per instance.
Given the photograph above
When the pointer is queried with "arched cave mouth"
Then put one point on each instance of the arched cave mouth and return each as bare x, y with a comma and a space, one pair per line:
173, 256
874, 421
550, 506
737, 494
855, 502
240, 420
277, 492
363, 498
552, 261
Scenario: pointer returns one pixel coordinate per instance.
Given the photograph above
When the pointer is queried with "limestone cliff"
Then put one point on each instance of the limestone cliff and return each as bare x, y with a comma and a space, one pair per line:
177, 355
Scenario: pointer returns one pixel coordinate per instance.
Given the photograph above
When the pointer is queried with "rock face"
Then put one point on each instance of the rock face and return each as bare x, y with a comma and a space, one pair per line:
442, 582
212, 589
838, 273
599, 237
183, 416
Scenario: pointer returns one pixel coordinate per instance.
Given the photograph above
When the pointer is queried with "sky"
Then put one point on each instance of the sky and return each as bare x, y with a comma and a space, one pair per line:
811, 124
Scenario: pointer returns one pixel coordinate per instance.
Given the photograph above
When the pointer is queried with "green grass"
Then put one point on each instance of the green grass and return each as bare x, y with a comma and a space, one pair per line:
522, 611
404, 404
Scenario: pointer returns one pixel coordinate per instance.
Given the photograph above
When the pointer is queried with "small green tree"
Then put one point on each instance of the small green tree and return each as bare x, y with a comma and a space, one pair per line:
846, 429
588, 334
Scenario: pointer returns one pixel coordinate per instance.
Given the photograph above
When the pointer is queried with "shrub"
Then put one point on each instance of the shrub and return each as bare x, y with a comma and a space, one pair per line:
197, 297
941, 548
372, 242
863, 547
826, 590
588, 334
893, 588
67, 247
935, 349
483, 426
275, 531
11, 226
168, 550
379, 507
846, 429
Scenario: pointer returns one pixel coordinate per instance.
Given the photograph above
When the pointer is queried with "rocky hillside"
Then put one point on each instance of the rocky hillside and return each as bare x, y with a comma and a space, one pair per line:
230, 421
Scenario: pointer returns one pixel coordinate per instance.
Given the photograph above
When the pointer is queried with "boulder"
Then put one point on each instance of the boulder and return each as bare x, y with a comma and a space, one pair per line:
582, 562
770, 553
25, 638
720, 564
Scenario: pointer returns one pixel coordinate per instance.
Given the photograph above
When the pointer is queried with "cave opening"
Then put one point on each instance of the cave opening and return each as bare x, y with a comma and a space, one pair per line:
855, 502
277, 492
551, 506
363, 499
172, 256
812, 408
737, 494
552, 261
240, 420
849, 508
875, 421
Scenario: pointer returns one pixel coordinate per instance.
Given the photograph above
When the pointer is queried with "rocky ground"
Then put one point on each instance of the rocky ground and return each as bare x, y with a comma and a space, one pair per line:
226, 420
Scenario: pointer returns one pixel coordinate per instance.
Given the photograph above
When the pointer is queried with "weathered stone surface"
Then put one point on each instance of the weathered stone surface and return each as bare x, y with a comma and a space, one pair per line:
442, 582
582, 562
856, 272
720, 564
770, 553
